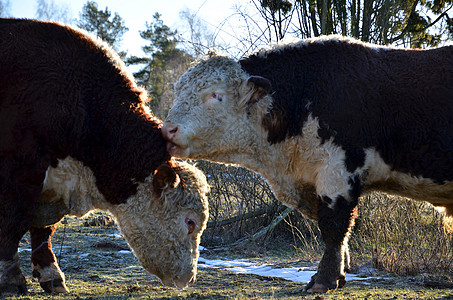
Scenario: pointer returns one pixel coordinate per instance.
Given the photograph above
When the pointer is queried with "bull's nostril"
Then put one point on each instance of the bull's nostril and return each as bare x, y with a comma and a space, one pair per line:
169, 130
174, 130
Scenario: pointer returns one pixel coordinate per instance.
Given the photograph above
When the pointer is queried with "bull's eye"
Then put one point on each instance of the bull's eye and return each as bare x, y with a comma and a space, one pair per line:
190, 225
217, 96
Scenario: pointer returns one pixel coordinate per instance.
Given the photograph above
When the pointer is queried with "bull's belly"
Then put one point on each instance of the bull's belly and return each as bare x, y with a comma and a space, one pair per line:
381, 177
420, 189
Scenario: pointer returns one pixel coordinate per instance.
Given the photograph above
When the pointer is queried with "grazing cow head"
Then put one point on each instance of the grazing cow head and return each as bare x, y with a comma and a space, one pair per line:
164, 227
215, 107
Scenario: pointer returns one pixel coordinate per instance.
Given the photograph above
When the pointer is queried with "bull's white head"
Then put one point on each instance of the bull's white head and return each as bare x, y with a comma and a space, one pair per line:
217, 107
162, 222
164, 228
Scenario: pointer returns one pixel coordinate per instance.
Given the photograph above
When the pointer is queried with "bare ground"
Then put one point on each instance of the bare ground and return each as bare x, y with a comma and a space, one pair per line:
97, 266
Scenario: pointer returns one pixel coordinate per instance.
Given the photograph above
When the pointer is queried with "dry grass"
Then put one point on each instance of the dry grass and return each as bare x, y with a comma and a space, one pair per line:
88, 252
403, 236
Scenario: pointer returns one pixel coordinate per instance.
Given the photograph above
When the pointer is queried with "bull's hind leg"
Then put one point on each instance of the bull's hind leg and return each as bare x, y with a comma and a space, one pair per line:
12, 282
21, 180
43, 261
14, 223
335, 224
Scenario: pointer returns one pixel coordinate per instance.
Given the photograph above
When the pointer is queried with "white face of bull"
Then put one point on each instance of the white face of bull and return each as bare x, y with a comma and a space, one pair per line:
164, 231
214, 111
162, 222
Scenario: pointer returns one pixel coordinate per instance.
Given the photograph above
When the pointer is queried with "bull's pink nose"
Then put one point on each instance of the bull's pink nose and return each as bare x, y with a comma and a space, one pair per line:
170, 131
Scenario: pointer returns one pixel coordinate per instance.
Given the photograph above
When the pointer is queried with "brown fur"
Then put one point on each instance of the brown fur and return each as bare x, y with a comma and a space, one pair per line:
65, 95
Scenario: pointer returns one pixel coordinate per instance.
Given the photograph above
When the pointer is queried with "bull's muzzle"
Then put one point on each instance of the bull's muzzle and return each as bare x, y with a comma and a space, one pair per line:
169, 131
181, 282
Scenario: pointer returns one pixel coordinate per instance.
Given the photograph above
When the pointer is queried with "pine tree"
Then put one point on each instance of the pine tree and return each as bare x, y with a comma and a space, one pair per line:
163, 63
102, 23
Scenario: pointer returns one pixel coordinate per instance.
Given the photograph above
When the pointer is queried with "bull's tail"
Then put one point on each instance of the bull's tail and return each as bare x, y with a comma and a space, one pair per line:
447, 213
448, 219
448, 223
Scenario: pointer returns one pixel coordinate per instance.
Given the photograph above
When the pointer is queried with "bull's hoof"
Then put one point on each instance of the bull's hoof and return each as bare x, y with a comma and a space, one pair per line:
316, 288
12, 282
341, 281
317, 285
56, 286
13, 289
51, 279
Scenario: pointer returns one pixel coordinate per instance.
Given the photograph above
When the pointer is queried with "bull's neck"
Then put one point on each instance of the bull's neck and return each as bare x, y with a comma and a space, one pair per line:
127, 149
255, 152
284, 164
269, 161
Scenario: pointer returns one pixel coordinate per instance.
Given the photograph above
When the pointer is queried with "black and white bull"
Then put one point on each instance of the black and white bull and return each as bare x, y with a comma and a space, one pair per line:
325, 120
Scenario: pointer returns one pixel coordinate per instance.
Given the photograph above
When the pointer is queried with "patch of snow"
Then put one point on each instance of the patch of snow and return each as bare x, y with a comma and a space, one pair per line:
297, 274
116, 235
134, 267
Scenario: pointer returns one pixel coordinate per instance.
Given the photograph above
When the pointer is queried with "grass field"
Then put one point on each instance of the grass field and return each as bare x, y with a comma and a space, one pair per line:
97, 266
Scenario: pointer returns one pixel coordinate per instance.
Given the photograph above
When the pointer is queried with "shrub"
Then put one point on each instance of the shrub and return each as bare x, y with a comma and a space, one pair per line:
398, 235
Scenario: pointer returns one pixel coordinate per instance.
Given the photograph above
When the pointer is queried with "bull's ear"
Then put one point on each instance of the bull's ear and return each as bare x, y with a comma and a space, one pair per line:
164, 177
262, 86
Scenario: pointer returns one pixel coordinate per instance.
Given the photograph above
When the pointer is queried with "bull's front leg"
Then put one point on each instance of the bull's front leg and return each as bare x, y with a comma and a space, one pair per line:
43, 260
335, 222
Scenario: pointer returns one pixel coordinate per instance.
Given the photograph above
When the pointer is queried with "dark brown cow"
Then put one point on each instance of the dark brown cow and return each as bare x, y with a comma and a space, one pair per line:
75, 135
325, 120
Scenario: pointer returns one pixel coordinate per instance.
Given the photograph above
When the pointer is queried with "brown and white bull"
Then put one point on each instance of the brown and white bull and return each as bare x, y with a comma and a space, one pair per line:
162, 222
325, 120
75, 135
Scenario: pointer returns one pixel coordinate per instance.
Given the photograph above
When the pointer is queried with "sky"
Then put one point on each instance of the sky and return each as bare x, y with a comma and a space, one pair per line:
136, 12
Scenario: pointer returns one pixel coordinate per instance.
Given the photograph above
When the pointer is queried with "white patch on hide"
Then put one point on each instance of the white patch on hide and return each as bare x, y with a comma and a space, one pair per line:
381, 177
75, 185
299, 160
317, 163
49, 273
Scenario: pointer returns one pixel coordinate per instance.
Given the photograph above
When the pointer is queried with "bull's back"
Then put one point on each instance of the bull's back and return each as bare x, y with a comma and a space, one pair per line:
399, 102
408, 117
41, 79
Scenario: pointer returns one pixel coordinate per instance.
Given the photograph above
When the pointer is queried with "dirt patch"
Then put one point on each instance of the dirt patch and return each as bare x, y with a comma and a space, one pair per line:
109, 245
97, 267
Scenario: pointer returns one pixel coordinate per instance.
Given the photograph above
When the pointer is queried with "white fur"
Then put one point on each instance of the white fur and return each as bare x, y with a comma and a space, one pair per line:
154, 227
415, 187
49, 273
75, 185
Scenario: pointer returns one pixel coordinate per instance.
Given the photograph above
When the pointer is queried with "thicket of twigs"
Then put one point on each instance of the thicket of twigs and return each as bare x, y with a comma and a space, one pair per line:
395, 234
